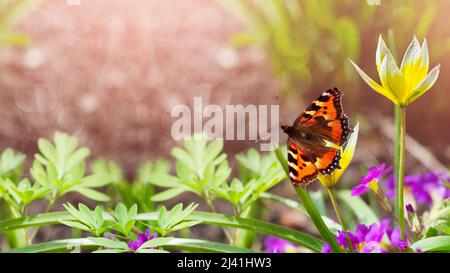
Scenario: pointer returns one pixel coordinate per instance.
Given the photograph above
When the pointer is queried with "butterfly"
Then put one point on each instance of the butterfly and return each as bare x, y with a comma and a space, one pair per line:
309, 149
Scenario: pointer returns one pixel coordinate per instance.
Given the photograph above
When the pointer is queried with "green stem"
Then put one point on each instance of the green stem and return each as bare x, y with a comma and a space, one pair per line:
310, 208
211, 205
396, 148
339, 216
401, 171
49, 207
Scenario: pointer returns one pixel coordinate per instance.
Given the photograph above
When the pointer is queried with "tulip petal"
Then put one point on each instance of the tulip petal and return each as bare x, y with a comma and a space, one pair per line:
422, 67
412, 55
394, 77
424, 56
381, 51
425, 85
385, 82
375, 86
349, 150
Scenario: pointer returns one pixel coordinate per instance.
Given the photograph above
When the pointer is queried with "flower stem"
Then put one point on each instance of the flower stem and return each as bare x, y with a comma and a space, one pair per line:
48, 208
339, 216
211, 205
401, 170
396, 148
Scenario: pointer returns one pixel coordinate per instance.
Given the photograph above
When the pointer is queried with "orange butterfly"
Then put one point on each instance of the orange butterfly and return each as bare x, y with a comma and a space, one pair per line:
308, 152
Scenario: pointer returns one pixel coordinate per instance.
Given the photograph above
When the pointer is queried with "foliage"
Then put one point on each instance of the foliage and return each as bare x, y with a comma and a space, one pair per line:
121, 225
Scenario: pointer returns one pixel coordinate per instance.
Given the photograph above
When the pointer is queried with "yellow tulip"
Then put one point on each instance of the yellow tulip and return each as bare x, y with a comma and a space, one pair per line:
346, 157
405, 84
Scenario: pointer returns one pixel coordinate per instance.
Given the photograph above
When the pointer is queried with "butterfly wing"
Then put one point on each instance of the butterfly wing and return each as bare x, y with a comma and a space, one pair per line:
301, 168
304, 165
325, 117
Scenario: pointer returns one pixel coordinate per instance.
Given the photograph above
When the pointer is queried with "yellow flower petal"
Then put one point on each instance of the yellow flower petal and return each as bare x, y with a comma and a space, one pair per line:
375, 86
385, 81
415, 64
425, 85
410, 58
381, 51
395, 78
424, 55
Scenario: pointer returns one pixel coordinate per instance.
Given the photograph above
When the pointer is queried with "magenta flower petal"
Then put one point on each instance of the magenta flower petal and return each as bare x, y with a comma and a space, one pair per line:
276, 245
374, 173
141, 239
368, 239
422, 187
326, 248
395, 239
359, 190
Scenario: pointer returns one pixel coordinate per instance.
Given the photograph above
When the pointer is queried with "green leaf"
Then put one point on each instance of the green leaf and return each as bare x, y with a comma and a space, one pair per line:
443, 228
65, 245
121, 213
167, 194
108, 243
75, 224
156, 242
213, 150
185, 225
96, 180
214, 219
183, 157
433, 244
331, 224
77, 157
146, 250
99, 217
87, 214
93, 194
194, 245
164, 180
361, 210
47, 150
110, 251
190, 245
285, 201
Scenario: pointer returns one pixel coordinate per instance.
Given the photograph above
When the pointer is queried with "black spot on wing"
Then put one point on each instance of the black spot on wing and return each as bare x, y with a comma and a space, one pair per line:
306, 116
313, 107
293, 150
323, 98
291, 158
293, 171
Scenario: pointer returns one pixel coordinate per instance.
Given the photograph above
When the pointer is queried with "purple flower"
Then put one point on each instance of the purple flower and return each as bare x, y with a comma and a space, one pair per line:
395, 238
410, 208
374, 238
141, 239
277, 245
326, 248
370, 181
423, 187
